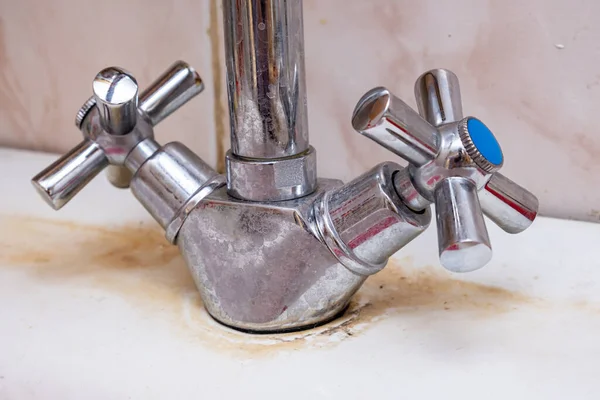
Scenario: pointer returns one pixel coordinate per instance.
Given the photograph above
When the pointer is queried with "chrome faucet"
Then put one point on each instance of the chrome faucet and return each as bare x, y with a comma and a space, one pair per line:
271, 247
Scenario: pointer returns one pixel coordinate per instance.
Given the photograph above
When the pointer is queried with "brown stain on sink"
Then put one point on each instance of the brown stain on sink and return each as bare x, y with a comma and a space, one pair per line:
137, 263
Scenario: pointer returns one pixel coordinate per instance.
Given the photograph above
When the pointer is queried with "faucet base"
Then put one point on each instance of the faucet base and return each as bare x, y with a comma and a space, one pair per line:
336, 316
263, 267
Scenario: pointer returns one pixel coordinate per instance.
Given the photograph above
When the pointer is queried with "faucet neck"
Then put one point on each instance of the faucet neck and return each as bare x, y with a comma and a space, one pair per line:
264, 52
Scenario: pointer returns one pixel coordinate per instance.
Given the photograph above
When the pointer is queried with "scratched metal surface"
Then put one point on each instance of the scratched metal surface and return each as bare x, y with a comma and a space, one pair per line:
94, 302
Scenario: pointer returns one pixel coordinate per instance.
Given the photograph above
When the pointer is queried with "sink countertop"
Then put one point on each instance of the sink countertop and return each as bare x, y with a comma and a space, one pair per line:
95, 304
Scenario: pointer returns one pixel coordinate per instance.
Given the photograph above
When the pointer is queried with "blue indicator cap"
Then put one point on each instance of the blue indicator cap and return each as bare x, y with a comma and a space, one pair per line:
484, 141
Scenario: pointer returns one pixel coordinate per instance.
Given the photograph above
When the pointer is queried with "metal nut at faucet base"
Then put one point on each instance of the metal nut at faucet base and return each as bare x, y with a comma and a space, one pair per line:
274, 179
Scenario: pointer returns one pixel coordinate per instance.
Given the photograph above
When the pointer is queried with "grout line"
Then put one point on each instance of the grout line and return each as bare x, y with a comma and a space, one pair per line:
218, 110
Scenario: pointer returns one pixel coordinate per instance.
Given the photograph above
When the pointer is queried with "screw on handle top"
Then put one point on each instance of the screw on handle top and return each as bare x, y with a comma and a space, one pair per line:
116, 94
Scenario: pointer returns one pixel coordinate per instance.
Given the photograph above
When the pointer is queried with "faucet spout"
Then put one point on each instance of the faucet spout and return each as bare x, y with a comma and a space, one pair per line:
264, 49
264, 53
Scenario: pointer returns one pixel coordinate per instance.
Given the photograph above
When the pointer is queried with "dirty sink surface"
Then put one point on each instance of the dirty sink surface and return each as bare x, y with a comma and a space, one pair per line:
95, 304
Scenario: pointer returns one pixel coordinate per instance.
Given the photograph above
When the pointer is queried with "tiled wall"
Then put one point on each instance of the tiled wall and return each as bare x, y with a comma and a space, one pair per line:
530, 69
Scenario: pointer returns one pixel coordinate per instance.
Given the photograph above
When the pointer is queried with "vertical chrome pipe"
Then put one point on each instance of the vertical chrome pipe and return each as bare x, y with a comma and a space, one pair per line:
270, 157
264, 53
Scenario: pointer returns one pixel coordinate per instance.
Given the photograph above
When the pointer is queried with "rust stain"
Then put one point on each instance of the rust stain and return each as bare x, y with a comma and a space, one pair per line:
136, 263
133, 259
219, 111
585, 306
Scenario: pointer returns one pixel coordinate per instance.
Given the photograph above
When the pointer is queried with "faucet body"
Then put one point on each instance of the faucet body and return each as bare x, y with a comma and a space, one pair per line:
273, 266
264, 267
270, 246
276, 266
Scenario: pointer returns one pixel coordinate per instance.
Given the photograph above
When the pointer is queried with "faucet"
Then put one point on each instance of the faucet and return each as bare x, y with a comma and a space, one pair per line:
270, 246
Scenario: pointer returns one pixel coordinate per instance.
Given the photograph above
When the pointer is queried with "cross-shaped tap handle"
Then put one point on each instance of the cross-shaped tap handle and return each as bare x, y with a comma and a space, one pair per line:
112, 124
453, 163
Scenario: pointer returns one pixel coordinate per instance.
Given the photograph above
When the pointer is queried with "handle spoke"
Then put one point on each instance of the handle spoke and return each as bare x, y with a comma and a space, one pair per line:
64, 178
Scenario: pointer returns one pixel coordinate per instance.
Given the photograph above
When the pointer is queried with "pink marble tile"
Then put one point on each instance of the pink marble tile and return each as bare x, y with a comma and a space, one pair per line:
538, 97
51, 50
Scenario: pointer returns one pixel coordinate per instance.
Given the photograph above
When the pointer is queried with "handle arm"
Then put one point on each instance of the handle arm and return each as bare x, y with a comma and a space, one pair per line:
463, 239
438, 97
175, 87
510, 206
64, 178
384, 118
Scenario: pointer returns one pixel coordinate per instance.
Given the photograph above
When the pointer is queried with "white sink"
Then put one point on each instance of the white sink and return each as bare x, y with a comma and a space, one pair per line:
95, 304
